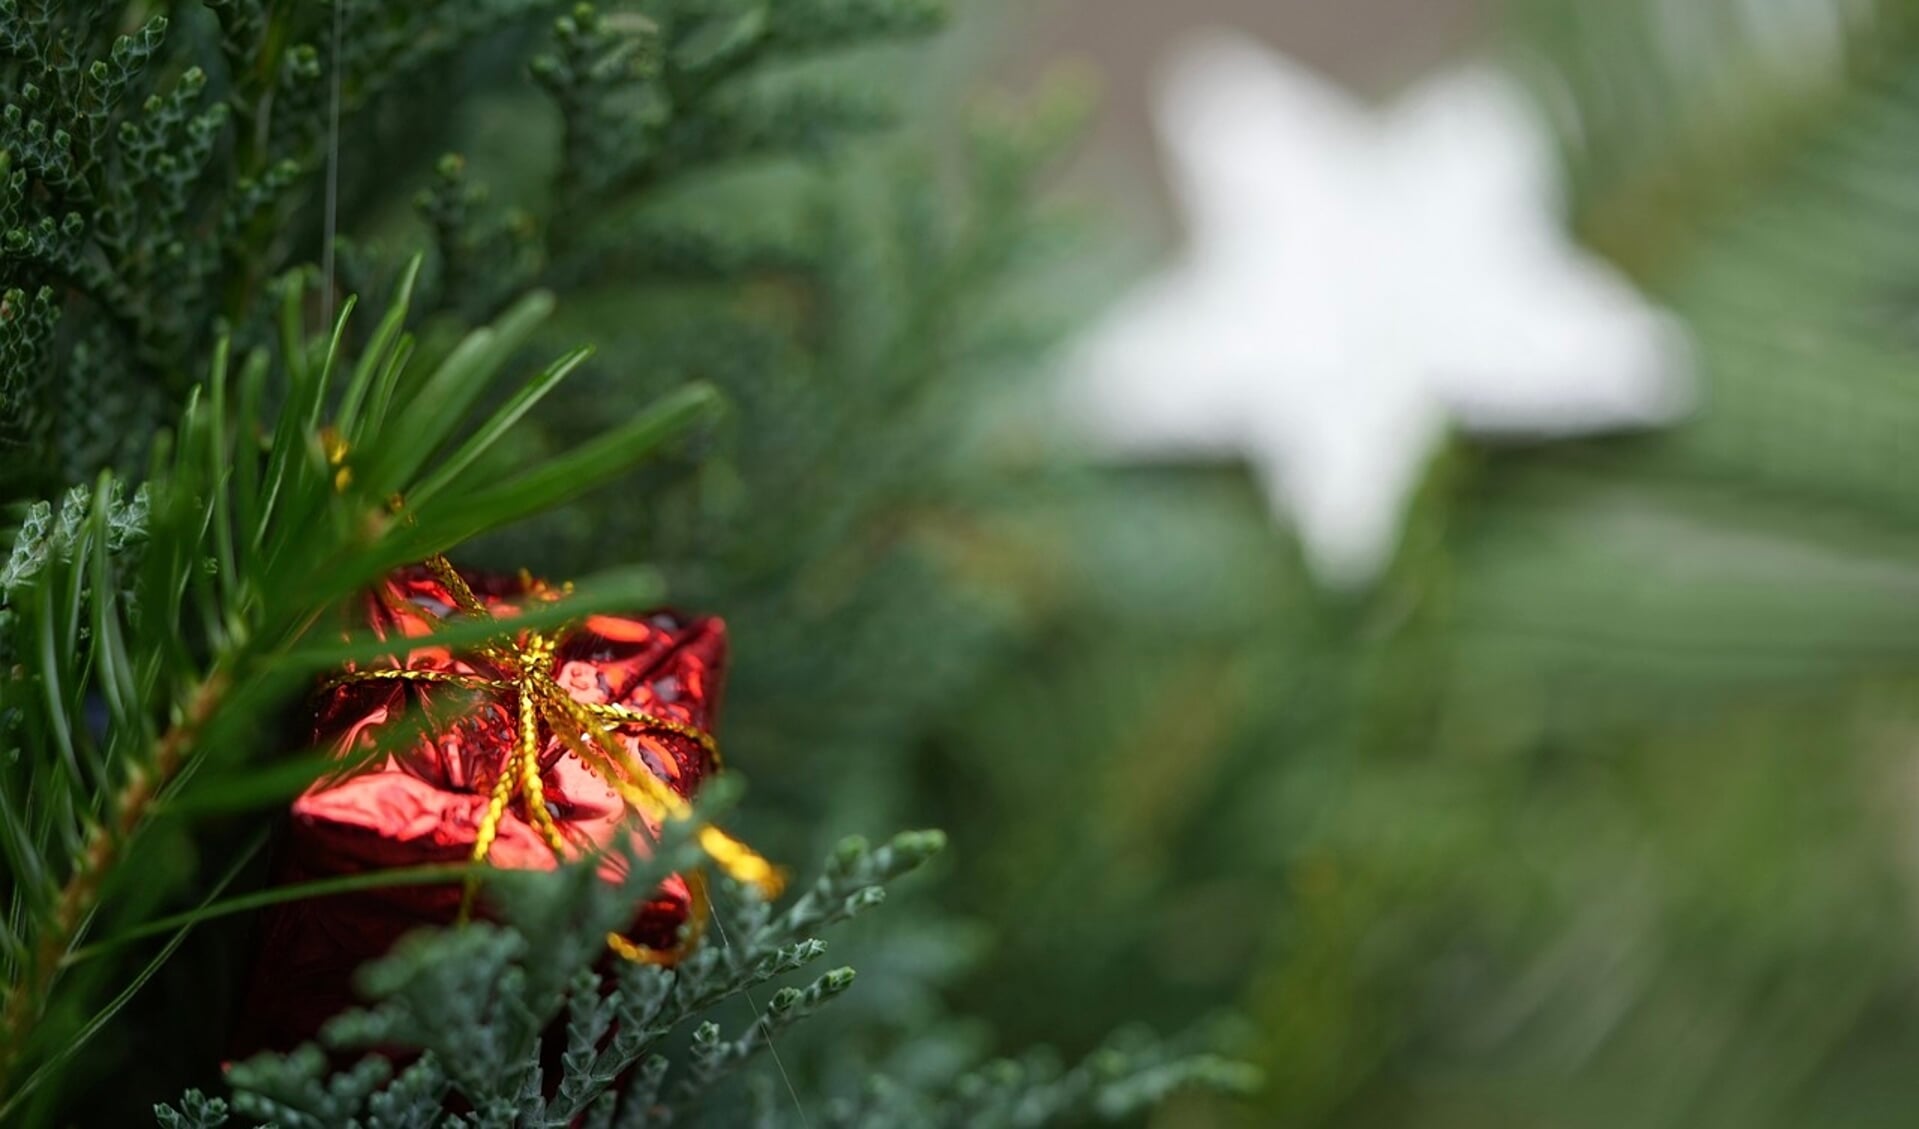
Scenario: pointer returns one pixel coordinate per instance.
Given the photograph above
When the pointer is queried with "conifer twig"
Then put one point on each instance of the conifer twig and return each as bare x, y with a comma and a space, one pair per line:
82, 889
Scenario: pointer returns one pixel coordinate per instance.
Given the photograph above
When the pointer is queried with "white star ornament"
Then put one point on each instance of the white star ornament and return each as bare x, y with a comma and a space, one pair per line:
1353, 281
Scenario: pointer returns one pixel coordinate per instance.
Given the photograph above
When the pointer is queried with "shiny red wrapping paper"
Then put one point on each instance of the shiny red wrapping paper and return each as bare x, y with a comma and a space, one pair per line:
425, 805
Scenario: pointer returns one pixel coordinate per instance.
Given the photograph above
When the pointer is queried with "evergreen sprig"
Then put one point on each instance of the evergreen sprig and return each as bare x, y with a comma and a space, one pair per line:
477, 1003
148, 200
647, 99
137, 684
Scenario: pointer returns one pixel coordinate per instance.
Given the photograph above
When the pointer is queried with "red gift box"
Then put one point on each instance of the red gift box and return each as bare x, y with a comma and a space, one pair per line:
463, 789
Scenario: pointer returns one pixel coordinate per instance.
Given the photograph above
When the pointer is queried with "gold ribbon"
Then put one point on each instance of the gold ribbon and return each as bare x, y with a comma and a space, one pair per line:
544, 708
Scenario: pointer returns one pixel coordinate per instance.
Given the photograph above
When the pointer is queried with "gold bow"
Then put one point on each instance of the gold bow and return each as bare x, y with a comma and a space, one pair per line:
586, 728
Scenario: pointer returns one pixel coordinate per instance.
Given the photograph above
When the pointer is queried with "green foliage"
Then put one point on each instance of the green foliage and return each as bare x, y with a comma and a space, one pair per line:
145, 202
1776, 517
848, 513
45, 538
479, 1002
251, 528
647, 99
856, 319
146, 199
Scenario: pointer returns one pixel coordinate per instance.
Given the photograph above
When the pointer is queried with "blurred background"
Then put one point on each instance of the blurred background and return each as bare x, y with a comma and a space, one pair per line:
1371, 48
1585, 797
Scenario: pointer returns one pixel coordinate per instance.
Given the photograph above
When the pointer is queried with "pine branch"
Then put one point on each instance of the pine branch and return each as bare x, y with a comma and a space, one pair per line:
245, 547
647, 102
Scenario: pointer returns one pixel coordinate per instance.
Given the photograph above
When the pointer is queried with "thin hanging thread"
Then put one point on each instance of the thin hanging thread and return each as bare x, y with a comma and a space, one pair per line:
759, 1017
332, 208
